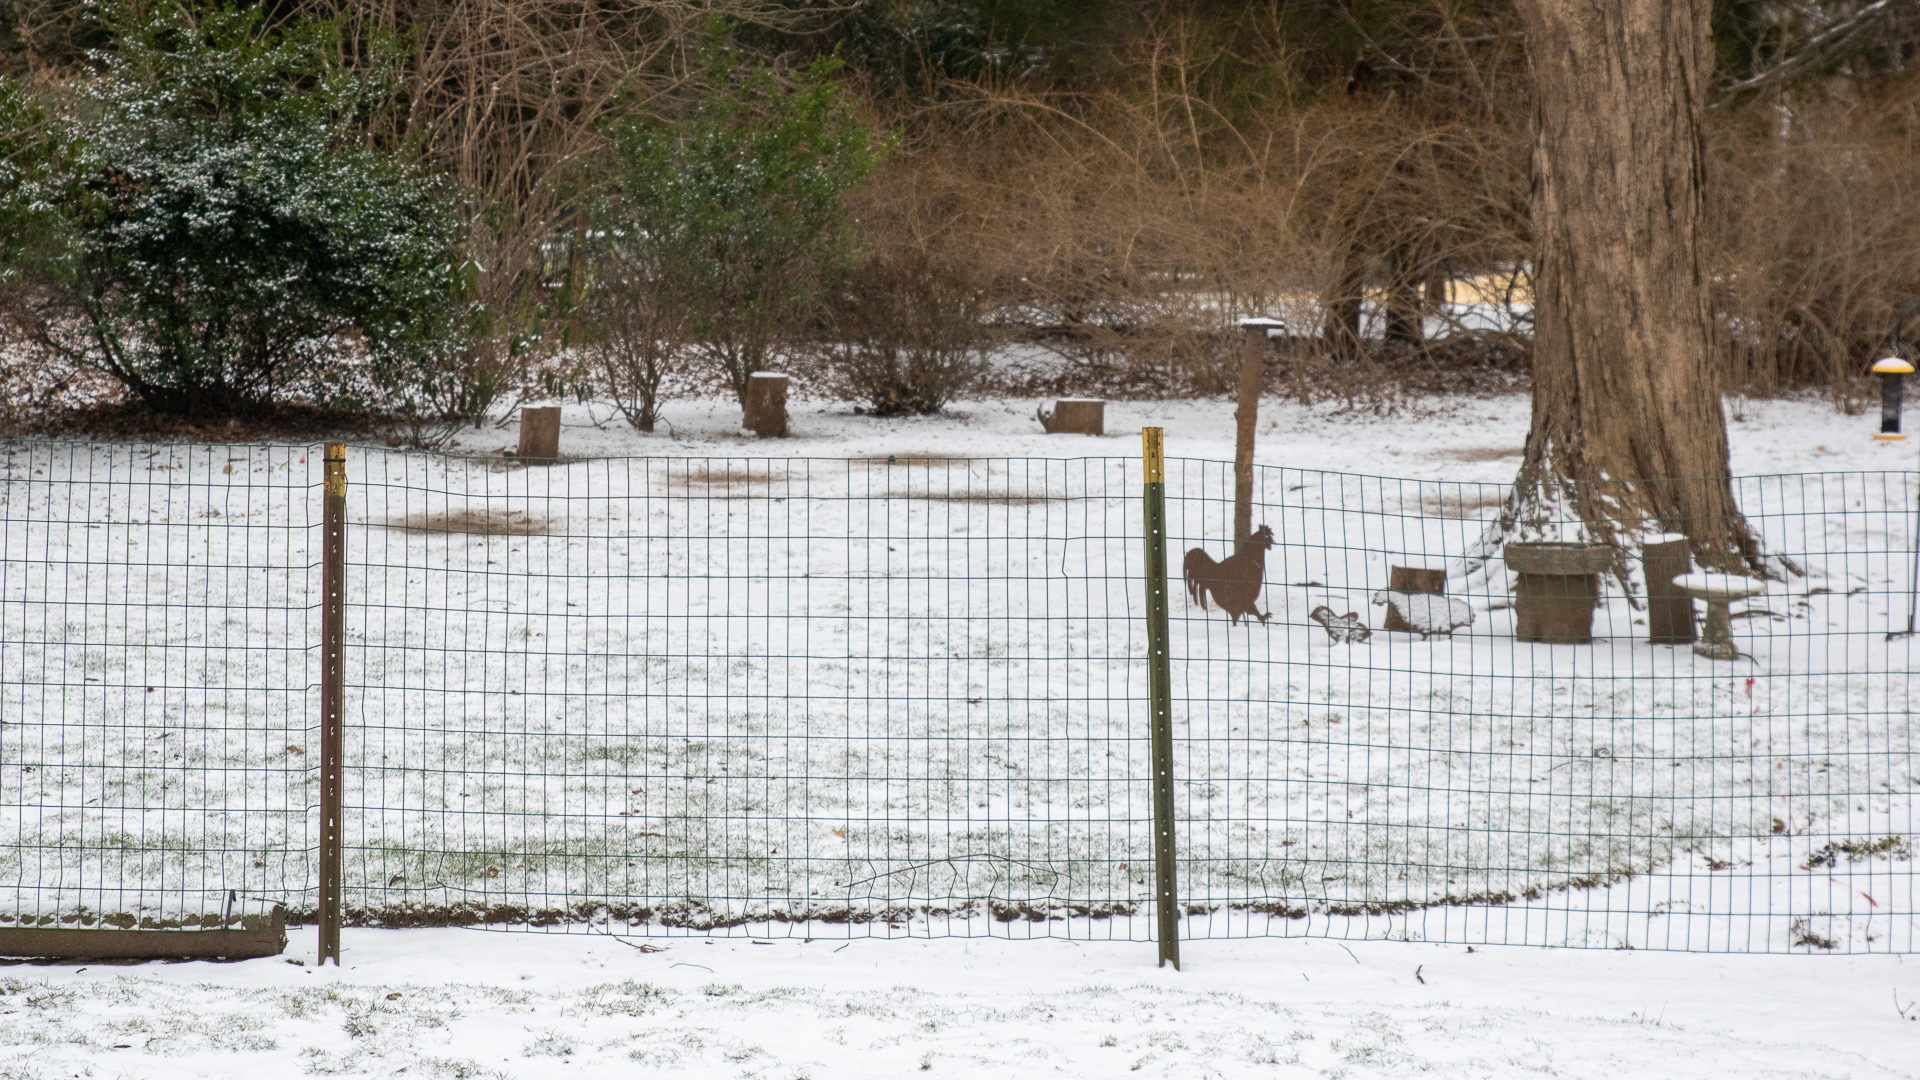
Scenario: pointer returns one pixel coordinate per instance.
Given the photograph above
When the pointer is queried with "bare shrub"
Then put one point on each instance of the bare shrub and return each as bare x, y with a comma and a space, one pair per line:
906, 333
1815, 236
637, 341
508, 98
1125, 228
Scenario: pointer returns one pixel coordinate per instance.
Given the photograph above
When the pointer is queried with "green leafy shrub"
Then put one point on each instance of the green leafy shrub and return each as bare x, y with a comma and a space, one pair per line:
735, 209
197, 221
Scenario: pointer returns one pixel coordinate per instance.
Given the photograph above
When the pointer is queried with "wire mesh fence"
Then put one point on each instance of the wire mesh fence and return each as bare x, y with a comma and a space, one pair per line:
156, 625
909, 696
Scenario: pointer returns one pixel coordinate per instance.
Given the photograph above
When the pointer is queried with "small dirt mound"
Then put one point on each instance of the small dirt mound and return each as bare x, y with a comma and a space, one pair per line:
472, 523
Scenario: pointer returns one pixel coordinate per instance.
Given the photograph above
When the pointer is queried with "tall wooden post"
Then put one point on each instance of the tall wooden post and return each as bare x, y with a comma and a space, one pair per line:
333, 630
1246, 414
1160, 701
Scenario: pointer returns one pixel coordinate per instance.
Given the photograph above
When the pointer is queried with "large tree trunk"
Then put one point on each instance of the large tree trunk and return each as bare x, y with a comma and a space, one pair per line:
1626, 390
1405, 300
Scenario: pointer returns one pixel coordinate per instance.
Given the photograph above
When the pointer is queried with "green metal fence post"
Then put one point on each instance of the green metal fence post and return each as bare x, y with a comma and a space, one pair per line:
1160, 698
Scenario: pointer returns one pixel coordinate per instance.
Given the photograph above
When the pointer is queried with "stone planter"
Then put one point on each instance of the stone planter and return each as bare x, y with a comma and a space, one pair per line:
1556, 587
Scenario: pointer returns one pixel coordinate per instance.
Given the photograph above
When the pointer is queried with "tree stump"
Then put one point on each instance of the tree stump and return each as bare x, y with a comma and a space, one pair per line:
1556, 587
1411, 579
1669, 609
540, 435
765, 413
1075, 416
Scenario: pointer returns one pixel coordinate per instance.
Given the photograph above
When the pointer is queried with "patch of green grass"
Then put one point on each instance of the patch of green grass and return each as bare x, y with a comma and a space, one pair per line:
1889, 847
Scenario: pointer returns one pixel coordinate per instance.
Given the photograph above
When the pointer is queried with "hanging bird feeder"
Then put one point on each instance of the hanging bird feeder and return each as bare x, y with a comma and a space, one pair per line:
1893, 372
1893, 369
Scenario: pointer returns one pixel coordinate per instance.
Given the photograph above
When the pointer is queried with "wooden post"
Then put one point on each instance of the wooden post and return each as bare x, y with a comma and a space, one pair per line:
1411, 579
333, 565
1160, 700
256, 937
1246, 414
765, 413
1669, 610
1079, 416
540, 434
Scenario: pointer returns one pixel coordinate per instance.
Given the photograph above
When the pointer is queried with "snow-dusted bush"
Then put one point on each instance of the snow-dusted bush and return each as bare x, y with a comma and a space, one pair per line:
198, 219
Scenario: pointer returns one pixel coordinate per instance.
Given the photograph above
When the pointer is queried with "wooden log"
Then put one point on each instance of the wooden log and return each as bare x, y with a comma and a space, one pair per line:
254, 938
1669, 610
765, 412
1075, 416
1411, 579
540, 434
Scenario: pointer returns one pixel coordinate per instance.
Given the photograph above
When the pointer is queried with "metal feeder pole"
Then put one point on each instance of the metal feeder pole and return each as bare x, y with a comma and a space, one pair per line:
1893, 370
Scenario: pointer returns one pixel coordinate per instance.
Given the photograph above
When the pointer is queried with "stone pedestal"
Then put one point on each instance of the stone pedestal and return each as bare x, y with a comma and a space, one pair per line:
539, 435
1718, 590
1556, 587
765, 413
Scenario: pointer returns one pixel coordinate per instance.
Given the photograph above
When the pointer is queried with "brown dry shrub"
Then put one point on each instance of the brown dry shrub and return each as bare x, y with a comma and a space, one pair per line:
907, 331
1125, 229
1814, 236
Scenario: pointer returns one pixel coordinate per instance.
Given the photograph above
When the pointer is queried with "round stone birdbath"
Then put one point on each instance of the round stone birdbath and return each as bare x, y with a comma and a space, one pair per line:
1718, 590
1556, 587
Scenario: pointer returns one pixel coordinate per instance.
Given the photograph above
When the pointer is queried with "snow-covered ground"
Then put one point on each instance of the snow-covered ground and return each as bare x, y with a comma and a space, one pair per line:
670, 685
866, 680
906, 701
468, 1003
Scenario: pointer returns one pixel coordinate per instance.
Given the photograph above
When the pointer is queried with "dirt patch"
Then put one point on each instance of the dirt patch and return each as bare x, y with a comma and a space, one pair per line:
1465, 504
913, 459
1011, 498
726, 476
472, 523
1484, 453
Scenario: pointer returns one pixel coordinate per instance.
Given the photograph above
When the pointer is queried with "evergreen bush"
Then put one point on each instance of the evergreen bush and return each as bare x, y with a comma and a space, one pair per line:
198, 221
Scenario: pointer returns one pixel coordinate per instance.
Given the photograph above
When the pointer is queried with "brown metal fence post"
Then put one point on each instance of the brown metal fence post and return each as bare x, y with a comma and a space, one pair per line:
333, 565
1160, 700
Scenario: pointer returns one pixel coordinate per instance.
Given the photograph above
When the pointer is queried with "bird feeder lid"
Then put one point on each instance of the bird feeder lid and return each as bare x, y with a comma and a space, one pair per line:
1892, 365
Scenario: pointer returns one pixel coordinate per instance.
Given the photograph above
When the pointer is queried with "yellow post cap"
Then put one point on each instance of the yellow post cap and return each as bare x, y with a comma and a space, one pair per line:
1892, 365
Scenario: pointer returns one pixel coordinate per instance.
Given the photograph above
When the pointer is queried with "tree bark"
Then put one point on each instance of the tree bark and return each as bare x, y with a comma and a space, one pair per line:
1627, 422
1405, 297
